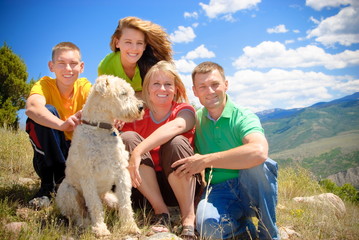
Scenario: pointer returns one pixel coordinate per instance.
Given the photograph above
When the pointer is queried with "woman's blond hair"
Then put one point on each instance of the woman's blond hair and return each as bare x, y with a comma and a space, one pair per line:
158, 45
169, 69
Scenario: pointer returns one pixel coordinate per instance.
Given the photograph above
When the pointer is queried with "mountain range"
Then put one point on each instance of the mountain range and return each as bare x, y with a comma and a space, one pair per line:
323, 137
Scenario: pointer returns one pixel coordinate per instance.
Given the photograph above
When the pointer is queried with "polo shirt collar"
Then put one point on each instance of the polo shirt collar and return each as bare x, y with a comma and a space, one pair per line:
227, 111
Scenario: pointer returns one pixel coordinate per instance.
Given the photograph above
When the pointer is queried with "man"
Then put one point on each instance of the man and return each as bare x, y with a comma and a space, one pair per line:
233, 151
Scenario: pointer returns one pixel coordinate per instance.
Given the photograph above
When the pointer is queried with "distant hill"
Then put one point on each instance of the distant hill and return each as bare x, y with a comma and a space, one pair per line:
323, 138
278, 113
287, 129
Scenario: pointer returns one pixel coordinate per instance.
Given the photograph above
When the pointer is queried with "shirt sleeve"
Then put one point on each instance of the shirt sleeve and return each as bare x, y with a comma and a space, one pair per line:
249, 123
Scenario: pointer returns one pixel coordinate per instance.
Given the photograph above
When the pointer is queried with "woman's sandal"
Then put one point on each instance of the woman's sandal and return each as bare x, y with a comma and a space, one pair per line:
188, 233
161, 221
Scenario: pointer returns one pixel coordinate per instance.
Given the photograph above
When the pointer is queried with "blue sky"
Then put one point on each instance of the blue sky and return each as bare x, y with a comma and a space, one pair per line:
276, 54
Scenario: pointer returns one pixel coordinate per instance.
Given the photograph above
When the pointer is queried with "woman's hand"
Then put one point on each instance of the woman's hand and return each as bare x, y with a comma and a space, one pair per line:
133, 168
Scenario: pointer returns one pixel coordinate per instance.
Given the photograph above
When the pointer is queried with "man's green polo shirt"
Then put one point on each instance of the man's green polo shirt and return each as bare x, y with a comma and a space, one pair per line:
224, 134
112, 65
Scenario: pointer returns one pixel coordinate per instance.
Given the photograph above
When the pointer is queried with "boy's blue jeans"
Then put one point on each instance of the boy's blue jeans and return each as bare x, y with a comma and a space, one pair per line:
50, 152
227, 210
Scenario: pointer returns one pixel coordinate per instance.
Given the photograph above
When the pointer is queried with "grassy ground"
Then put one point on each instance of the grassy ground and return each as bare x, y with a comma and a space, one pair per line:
15, 163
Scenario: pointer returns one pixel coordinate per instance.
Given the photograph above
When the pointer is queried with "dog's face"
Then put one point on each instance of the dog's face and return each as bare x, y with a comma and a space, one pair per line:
117, 98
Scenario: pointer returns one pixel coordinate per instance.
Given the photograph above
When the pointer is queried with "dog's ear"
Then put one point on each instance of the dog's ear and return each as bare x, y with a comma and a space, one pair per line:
102, 84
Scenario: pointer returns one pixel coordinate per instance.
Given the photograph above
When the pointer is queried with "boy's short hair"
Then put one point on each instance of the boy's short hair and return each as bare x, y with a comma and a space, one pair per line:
65, 46
206, 67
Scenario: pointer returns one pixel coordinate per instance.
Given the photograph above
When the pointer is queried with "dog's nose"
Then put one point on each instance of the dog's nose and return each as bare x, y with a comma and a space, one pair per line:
140, 108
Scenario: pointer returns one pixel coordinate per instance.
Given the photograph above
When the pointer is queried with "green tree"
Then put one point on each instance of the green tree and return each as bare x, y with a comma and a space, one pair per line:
13, 86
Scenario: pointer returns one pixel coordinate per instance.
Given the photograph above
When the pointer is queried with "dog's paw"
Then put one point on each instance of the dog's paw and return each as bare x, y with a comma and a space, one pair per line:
100, 230
132, 228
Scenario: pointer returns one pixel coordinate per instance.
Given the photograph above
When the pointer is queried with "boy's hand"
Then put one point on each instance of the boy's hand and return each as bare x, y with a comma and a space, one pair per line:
71, 123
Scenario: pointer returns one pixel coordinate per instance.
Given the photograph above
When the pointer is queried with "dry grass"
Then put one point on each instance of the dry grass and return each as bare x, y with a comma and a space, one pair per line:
312, 222
16, 162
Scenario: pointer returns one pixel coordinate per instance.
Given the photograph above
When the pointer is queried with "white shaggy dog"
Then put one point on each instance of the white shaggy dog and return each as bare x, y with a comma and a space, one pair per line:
98, 160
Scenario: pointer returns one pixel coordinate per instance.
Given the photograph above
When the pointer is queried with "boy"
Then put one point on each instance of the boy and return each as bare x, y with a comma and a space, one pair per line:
53, 110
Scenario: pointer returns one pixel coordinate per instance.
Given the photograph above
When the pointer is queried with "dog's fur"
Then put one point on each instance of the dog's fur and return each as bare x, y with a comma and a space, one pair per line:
98, 160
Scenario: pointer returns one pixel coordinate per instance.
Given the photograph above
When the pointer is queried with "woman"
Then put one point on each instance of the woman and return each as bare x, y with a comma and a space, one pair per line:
163, 136
137, 45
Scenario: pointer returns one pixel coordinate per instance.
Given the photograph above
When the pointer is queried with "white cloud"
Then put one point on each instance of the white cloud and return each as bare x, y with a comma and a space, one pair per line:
191, 15
183, 34
185, 66
220, 7
320, 4
279, 88
276, 55
195, 25
229, 18
314, 20
187, 81
341, 28
277, 29
200, 52
296, 31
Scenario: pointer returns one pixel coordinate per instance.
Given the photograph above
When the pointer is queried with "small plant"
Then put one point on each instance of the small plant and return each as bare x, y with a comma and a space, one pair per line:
346, 192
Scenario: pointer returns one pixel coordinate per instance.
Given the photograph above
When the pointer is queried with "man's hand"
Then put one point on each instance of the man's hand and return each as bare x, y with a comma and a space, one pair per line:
187, 167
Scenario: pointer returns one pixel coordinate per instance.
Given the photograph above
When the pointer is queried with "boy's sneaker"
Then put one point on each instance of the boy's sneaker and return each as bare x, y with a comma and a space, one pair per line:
40, 202
42, 197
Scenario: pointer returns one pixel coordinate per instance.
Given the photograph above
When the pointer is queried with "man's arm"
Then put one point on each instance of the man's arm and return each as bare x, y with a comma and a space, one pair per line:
253, 152
36, 110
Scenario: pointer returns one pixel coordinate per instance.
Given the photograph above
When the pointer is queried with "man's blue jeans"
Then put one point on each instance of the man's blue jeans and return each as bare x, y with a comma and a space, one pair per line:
227, 210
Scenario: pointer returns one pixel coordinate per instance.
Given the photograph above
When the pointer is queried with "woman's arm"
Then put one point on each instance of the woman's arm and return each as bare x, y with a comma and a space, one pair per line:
184, 121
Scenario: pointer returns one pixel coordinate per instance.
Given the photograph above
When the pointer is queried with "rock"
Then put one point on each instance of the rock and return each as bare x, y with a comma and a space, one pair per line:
163, 236
26, 181
349, 176
328, 200
287, 233
23, 213
281, 207
15, 227
67, 238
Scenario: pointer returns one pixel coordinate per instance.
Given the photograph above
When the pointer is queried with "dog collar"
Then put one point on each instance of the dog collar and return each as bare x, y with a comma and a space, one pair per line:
99, 124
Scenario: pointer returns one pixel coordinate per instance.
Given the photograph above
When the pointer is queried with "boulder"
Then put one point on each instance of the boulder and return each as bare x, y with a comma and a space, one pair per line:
328, 200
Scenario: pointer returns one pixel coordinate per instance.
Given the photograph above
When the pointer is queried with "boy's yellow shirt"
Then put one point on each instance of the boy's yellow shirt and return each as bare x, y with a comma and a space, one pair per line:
47, 87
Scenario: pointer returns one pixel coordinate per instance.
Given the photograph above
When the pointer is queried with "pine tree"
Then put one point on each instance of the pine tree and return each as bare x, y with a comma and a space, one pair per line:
13, 86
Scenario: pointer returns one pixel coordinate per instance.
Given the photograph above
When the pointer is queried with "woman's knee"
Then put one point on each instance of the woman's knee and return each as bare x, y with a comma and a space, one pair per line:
175, 142
131, 139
